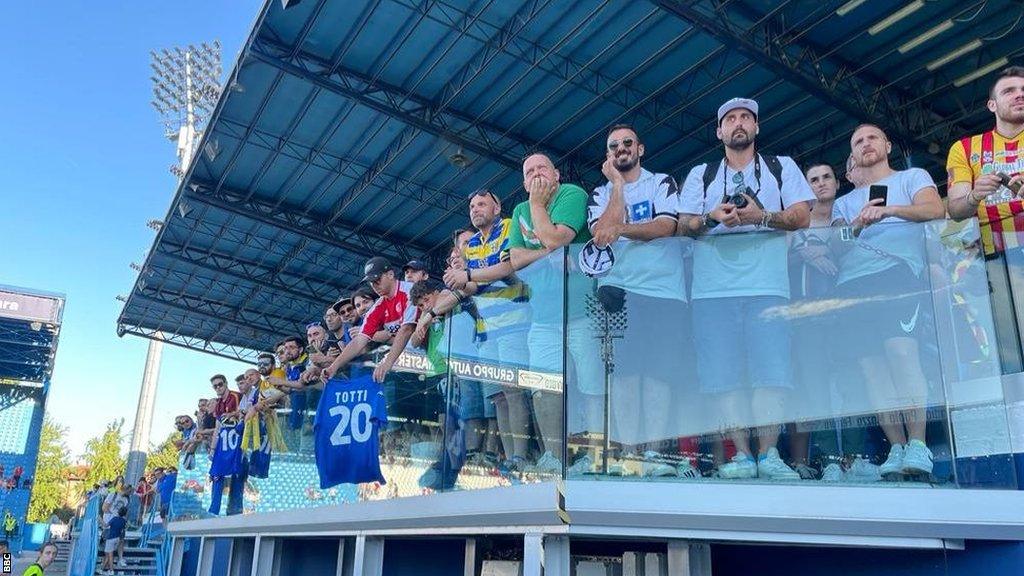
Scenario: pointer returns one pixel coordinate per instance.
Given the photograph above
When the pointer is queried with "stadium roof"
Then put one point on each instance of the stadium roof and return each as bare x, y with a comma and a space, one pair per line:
357, 128
29, 328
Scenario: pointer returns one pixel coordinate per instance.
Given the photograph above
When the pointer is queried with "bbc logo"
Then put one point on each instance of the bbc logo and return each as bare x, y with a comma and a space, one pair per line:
7, 567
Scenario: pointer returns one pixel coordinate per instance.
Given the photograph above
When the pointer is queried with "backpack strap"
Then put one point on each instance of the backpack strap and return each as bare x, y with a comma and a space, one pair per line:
709, 177
775, 168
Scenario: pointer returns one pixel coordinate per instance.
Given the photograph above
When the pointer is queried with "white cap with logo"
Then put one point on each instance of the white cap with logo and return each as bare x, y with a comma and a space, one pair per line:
730, 105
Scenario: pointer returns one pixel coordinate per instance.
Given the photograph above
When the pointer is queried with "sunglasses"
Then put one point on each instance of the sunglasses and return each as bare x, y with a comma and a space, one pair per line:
264, 363
626, 143
314, 325
219, 385
482, 192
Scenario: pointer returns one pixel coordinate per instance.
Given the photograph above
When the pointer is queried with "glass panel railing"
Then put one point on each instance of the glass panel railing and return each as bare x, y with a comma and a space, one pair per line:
816, 355
506, 360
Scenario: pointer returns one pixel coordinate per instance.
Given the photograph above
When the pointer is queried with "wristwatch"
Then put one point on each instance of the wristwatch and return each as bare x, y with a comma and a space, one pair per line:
708, 221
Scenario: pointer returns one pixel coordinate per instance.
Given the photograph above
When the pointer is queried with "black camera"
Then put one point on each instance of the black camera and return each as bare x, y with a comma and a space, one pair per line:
738, 199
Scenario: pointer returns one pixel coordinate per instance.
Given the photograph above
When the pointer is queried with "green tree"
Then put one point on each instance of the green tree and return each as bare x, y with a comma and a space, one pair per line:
103, 455
51, 467
165, 454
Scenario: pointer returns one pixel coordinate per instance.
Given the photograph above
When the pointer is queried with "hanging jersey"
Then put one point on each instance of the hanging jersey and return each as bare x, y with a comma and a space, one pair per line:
346, 429
227, 452
991, 153
391, 313
259, 459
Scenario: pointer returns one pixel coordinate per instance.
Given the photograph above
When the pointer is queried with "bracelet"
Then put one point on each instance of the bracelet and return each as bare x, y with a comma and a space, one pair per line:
974, 199
766, 217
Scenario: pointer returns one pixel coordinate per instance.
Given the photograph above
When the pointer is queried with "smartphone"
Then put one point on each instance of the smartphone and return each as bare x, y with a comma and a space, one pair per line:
879, 191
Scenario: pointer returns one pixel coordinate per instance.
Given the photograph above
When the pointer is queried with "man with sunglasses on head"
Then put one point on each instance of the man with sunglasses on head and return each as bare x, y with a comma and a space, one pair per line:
552, 218
636, 212
739, 278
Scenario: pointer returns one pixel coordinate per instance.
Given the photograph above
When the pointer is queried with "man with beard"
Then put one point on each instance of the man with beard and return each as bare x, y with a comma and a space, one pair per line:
553, 217
636, 213
884, 272
975, 162
739, 278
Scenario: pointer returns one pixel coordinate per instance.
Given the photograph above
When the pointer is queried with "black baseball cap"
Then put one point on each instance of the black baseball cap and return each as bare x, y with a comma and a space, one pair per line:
417, 265
343, 301
374, 268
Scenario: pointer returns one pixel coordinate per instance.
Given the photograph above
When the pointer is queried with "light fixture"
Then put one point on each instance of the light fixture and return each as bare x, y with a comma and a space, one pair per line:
926, 36
154, 224
943, 60
896, 17
120, 298
849, 7
968, 78
135, 267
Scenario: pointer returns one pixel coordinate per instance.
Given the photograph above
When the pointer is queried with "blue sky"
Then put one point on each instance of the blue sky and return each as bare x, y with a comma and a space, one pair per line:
83, 166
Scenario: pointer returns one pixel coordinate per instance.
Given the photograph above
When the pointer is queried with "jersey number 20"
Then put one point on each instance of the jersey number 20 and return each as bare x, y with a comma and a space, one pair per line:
358, 417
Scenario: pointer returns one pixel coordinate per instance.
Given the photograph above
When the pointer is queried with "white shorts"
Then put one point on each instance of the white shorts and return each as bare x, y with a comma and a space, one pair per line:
111, 545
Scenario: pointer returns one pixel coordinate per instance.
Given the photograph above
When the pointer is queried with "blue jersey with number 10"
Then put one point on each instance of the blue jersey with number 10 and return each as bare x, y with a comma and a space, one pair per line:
227, 453
347, 424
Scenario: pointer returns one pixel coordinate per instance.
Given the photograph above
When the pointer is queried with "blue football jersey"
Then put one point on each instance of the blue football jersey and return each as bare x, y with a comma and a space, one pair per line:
259, 460
227, 453
347, 427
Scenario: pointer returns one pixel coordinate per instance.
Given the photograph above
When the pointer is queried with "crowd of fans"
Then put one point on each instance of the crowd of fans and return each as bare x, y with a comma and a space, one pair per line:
721, 293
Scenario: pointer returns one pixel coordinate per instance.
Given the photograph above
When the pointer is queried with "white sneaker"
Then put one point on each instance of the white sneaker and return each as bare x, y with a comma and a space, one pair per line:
917, 458
771, 467
583, 465
121, 563
806, 472
894, 463
548, 464
654, 465
862, 471
686, 470
741, 466
832, 473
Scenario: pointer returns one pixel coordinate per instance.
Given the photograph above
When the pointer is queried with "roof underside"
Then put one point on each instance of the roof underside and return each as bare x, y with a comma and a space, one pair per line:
336, 141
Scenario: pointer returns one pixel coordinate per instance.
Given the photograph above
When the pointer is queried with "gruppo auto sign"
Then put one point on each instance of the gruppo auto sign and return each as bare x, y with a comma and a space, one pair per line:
29, 307
483, 371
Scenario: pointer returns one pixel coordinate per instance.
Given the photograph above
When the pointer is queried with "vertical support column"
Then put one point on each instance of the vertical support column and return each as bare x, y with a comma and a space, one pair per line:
688, 558
556, 555
263, 555
177, 556
469, 563
341, 558
241, 555
369, 556
533, 554
207, 546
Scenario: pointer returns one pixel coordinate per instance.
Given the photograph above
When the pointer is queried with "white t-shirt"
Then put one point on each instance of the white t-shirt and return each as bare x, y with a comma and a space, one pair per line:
726, 262
651, 268
894, 239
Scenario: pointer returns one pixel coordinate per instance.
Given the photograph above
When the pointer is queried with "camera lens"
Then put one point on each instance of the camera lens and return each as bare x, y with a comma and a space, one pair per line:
738, 200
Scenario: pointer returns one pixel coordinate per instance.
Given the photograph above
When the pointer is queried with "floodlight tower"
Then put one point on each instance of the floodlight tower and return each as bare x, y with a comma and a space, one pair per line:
186, 87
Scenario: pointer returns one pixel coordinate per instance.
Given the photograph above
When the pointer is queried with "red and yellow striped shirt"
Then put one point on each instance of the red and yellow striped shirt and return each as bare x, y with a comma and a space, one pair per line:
1002, 225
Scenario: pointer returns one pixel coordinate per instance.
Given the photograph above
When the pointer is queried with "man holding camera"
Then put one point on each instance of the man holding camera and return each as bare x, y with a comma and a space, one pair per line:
739, 277
882, 272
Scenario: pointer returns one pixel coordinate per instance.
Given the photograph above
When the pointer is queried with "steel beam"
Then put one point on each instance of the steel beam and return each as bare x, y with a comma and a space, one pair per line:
801, 66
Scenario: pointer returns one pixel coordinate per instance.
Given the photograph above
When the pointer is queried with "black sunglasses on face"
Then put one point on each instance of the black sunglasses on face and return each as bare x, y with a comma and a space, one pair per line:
626, 143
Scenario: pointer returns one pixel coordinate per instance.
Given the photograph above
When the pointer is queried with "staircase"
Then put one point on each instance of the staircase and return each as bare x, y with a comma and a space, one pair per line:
139, 561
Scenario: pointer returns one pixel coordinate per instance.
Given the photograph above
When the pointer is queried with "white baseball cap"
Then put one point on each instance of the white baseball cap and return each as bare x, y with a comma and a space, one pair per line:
735, 103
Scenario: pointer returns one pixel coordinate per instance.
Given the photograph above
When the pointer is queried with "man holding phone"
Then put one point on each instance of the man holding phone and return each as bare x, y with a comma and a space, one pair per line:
881, 272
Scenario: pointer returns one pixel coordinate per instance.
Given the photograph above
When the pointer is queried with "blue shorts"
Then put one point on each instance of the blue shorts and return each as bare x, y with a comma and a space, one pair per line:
474, 404
741, 344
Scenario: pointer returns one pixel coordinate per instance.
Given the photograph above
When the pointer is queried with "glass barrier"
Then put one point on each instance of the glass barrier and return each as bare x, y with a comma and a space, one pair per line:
819, 355
814, 356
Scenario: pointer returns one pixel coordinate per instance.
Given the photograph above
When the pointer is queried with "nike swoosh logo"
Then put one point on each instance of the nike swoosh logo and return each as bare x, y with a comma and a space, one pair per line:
908, 327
